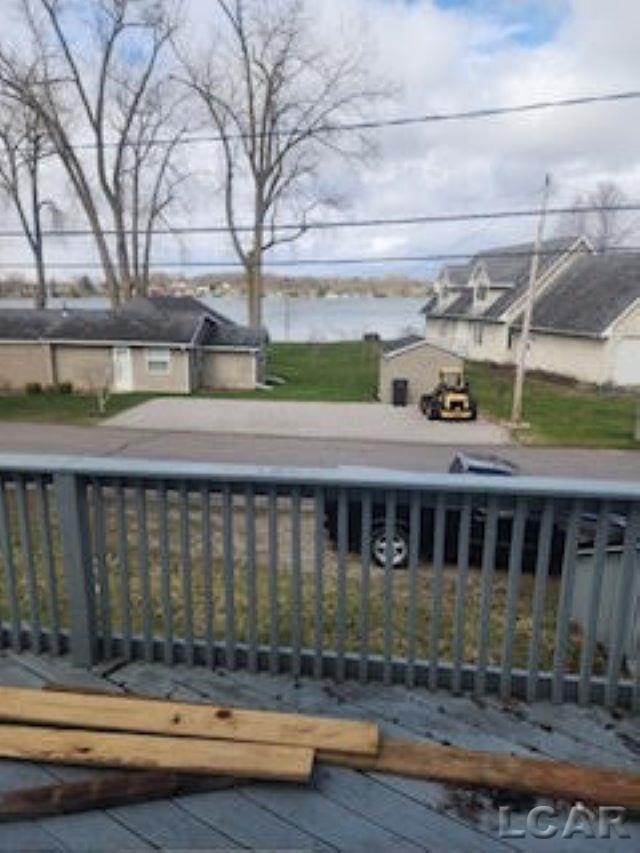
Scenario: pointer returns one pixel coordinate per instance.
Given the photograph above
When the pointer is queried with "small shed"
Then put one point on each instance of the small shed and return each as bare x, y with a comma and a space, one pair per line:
414, 359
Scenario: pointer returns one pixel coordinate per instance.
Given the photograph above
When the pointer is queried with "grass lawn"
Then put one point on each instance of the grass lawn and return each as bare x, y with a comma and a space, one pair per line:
81, 409
343, 372
560, 412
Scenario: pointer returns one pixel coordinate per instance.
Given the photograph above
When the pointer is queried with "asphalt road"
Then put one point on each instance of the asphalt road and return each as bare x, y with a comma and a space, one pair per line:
307, 452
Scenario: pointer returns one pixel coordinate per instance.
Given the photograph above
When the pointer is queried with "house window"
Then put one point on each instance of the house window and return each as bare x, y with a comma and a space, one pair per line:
481, 293
158, 360
478, 333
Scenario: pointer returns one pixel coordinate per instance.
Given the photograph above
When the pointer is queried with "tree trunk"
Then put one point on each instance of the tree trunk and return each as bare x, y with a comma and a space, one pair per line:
254, 287
41, 279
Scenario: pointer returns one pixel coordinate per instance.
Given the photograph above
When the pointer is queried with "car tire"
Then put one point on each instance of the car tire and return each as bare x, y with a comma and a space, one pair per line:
400, 547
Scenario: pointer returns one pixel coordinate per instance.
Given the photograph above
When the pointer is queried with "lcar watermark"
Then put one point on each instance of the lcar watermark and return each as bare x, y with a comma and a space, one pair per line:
581, 822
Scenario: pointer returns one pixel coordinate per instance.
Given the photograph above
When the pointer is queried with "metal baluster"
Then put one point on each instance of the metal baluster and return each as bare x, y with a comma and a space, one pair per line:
341, 619
564, 604
252, 594
100, 551
207, 573
390, 531
123, 560
415, 512
464, 535
513, 587
229, 576
545, 537
623, 605
435, 626
319, 582
593, 605
29, 564
46, 538
365, 588
165, 572
6, 549
296, 584
274, 661
143, 565
488, 571
185, 560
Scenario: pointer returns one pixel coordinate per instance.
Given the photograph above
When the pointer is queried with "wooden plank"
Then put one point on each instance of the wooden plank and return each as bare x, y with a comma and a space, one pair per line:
105, 791
118, 713
146, 752
573, 782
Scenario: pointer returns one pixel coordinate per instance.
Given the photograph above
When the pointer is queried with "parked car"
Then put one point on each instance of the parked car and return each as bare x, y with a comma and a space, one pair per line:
481, 465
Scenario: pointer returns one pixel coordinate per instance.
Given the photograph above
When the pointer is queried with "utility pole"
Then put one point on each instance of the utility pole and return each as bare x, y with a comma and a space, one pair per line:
525, 334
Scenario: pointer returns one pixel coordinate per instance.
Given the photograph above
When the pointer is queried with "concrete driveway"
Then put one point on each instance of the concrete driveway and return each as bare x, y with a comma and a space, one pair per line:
343, 421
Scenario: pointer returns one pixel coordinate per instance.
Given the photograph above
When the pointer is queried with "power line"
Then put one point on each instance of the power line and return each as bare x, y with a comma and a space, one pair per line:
401, 121
322, 225
300, 262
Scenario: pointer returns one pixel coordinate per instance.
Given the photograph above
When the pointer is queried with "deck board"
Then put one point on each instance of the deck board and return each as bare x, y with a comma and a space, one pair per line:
342, 809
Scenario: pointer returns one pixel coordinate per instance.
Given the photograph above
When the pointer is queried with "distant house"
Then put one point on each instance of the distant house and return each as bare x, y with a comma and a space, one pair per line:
586, 318
164, 344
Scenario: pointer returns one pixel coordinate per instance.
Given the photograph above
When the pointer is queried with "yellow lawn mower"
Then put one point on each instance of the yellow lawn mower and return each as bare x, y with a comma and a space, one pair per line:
451, 399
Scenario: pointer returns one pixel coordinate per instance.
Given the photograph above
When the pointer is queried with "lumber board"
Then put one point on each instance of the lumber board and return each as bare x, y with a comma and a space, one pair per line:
472, 768
105, 791
156, 716
152, 752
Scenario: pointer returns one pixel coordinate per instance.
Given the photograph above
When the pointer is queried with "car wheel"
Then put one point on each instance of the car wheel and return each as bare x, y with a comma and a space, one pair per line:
399, 548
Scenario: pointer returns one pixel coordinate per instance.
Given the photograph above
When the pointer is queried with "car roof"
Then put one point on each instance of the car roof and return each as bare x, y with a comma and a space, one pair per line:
482, 463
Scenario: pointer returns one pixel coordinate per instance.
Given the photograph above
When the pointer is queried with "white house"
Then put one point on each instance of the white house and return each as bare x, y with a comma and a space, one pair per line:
586, 319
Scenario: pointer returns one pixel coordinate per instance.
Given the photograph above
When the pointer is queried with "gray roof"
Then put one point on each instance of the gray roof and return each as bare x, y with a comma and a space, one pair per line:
508, 264
458, 308
164, 319
400, 343
458, 273
590, 295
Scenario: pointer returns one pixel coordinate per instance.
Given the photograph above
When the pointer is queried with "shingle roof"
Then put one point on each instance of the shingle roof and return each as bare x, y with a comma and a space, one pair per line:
590, 295
458, 273
458, 308
507, 264
400, 343
170, 320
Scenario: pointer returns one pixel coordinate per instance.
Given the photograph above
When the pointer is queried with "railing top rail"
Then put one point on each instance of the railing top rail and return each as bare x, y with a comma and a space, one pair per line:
342, 476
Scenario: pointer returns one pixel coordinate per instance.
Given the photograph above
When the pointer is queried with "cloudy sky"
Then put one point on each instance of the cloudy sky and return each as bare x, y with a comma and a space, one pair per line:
449, 55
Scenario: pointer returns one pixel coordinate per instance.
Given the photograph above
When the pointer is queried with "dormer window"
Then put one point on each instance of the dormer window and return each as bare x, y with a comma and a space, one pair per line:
481, 292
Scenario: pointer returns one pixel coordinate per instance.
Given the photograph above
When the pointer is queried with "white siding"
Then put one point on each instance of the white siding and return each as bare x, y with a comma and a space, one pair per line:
626, 361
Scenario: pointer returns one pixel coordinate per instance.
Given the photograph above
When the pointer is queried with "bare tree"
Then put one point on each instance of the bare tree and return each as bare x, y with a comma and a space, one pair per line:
604, 225
151, 173
108, 70
24, 146
274, 96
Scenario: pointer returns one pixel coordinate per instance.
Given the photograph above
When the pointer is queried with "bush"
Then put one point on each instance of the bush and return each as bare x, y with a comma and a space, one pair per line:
33, 388
64, 388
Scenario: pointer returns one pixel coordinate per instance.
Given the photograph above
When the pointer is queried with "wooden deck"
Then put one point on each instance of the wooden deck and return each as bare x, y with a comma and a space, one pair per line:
343, 809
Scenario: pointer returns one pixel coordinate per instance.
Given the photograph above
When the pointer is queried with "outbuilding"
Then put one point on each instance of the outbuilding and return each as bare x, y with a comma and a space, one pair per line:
415, 360
152, 344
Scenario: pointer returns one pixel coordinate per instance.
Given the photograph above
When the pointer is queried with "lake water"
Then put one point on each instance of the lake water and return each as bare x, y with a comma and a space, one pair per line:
304, 319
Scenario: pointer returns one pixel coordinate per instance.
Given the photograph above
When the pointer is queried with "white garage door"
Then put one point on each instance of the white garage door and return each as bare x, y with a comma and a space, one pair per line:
626, 365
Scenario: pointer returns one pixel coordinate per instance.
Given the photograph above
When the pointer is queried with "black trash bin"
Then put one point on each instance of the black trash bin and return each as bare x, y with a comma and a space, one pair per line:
400, 392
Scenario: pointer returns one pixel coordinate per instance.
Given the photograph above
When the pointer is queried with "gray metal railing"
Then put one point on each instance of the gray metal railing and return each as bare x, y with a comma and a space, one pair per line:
446, 581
